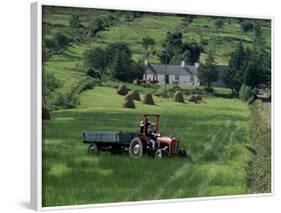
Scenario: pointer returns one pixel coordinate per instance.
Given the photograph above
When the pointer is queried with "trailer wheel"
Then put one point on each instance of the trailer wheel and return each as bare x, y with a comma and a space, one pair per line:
93, 149
159, 154
136, 148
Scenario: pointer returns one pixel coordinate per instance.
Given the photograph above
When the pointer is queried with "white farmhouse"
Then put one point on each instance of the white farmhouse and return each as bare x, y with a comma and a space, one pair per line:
178, 74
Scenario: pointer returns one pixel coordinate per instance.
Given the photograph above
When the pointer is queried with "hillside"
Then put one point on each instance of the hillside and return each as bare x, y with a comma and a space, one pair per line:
156, 26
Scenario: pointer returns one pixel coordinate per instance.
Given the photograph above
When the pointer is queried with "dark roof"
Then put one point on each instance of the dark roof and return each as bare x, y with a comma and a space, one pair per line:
170, 69
178, 69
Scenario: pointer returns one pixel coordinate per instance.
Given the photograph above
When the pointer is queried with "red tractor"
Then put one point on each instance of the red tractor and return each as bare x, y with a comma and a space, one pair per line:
148, 141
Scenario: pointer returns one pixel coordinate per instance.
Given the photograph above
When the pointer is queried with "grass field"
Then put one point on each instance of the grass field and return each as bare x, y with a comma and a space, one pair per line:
214, 133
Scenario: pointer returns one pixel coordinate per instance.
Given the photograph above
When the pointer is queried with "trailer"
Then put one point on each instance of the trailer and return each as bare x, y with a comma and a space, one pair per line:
111, 141
148, 140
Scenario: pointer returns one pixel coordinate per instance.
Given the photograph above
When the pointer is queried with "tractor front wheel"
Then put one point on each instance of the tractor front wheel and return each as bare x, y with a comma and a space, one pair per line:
182, 153
93, 149
159, 154
136, 148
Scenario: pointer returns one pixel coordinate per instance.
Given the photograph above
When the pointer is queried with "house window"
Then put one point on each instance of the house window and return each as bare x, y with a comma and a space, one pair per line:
177, 78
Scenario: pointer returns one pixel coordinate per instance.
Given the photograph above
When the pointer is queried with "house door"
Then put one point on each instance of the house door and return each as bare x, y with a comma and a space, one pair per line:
166, 79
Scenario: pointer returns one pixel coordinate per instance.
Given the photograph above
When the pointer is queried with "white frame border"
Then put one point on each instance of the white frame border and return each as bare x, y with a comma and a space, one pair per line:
36, 106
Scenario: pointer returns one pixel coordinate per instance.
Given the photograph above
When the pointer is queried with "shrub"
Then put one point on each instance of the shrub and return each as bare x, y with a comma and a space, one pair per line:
135, 95
93, 73
246, 93
247, 26
162, 92
128, 102
209, 90
71, 98
136, 82
148, 99
178, 97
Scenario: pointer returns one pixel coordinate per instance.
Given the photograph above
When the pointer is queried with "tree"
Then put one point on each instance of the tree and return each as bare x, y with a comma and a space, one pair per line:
60, 40
174, 50
96, 59
148, 44
233, 77
230, 80
207, 72
252, 75
194, 49
187, 20
49, 86
264, 59
258, 41
138, 70
166, 56
74, 21
172, 47
114, 61
246, 26
121, 67
177, 58
96, 26
93, 73
116, 48
173, 41
187, 57
219, 24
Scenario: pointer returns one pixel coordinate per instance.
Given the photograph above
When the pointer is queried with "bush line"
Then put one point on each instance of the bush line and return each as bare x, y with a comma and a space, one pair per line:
71, 99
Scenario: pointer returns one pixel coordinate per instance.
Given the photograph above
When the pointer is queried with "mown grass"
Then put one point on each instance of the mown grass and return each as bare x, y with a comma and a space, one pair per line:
213, 133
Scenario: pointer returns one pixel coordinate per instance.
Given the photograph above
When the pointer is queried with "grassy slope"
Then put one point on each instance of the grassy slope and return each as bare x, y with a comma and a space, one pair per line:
213, 133
132, 33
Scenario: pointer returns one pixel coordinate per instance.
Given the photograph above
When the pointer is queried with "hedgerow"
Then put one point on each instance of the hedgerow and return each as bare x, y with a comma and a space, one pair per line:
259, 168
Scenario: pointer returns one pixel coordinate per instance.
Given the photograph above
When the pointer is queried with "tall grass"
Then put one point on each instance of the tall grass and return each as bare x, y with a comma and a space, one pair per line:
259, 168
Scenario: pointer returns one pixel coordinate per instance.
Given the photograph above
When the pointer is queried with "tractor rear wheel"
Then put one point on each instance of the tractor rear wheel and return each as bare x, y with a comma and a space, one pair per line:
93, 149
136, 148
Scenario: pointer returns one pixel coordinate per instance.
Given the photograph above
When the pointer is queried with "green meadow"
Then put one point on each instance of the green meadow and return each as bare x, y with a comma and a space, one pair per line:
213, 132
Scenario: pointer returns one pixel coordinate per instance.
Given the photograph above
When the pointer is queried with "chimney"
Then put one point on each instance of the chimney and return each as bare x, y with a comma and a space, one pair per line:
183, 63
145, 62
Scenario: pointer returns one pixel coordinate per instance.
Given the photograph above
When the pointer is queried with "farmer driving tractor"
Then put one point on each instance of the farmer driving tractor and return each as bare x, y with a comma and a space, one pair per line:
147, 128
